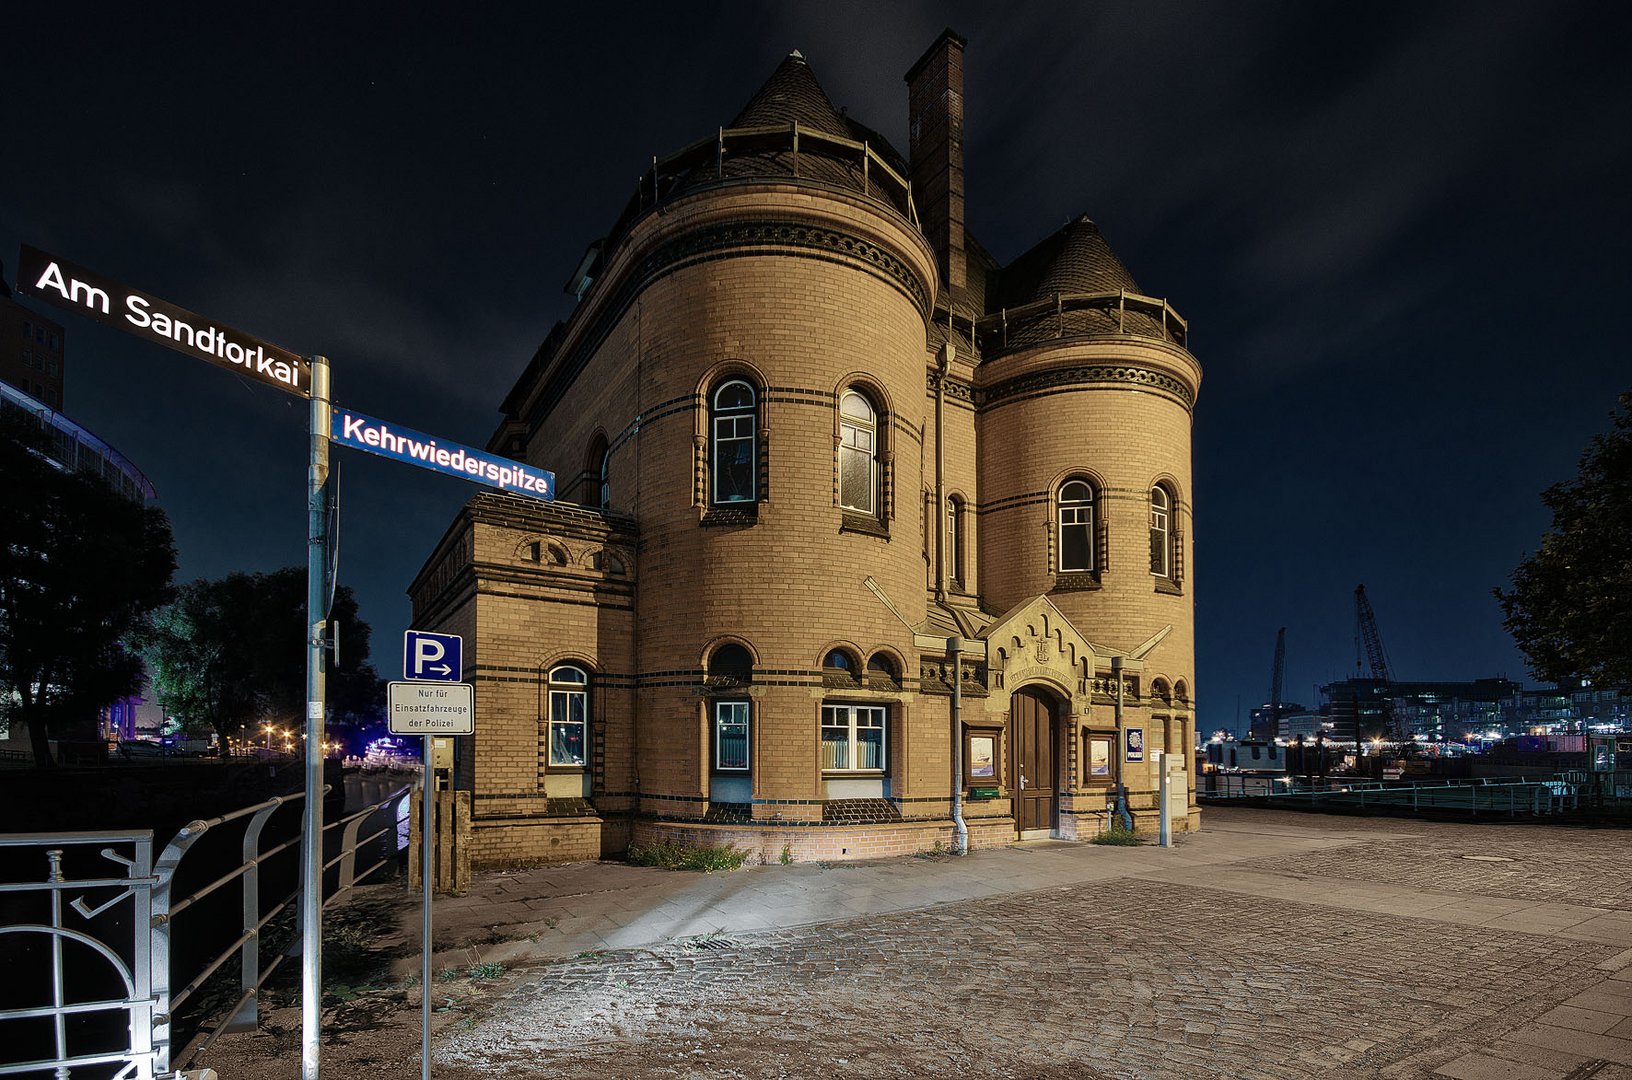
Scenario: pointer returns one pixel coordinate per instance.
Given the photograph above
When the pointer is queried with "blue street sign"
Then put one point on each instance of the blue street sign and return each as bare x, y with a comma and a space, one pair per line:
431, 657
403, 444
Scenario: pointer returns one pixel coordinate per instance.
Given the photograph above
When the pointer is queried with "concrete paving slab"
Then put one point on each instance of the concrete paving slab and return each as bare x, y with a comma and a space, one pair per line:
1570, 1041
1573, 1016
1607, 997
1480, 1067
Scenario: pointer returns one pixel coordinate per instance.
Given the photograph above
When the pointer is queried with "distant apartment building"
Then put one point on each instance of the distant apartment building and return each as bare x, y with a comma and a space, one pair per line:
1450, 711
32, 348
1570, 707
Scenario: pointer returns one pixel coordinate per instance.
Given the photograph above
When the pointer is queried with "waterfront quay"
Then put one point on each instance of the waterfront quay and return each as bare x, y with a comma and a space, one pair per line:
1290, 945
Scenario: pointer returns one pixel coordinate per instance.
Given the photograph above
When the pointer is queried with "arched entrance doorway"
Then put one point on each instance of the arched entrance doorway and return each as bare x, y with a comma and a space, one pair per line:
1033, 772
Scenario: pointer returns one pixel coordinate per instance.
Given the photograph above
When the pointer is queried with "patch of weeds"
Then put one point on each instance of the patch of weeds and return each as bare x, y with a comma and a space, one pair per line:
549, 924
590, 954
1117, 836
787, 855
447, 974
706, 858
485, 972
936, 851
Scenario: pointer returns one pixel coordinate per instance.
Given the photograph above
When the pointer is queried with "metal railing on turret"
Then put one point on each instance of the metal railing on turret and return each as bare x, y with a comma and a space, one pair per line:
779, 150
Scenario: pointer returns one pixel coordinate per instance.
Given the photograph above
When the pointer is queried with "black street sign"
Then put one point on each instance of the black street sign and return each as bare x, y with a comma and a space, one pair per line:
108, 301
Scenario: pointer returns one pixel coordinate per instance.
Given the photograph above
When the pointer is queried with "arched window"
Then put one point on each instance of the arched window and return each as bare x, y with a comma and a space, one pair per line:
597, 489
734, 416
954, 541
569, 714
730, 665
881, 673
858, 454
839, 660
1161, 532
731, 662
1076, 510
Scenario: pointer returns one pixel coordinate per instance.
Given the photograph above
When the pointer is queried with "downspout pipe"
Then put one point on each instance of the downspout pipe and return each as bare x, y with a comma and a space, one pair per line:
1121, 751
960, 830
938, 518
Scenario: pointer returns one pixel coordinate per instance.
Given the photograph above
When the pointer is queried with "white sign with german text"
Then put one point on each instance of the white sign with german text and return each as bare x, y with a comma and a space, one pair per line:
418, 708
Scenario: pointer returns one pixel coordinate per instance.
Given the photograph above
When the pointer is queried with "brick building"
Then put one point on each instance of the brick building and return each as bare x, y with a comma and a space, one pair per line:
806, 432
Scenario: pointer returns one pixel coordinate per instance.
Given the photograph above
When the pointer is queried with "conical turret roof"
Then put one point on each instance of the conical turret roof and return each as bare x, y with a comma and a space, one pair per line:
1076, 259
792, 95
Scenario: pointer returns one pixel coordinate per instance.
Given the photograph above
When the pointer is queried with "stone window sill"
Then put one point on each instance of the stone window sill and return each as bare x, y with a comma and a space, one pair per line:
729, 515
865, 524
1076, 581
1166, 587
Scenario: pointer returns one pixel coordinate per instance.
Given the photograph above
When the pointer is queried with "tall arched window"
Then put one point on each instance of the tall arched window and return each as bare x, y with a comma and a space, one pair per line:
597, 489
954, 541
734, 416
858, 454
1161, 532
569, 714
1076, 510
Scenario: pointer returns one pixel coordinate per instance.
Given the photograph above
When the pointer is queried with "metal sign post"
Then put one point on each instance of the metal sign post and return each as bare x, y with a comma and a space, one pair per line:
428, 706
317, 568
427, 824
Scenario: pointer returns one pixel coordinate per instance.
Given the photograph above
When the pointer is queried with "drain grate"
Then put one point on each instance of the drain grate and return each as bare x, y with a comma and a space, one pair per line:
1488, 858
712, 942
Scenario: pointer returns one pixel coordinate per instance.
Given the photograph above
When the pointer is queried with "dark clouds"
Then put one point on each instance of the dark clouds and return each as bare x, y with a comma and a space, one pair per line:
1397, 230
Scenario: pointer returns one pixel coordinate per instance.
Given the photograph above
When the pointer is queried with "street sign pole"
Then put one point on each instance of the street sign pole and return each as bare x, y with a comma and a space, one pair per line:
427, 824
317, 567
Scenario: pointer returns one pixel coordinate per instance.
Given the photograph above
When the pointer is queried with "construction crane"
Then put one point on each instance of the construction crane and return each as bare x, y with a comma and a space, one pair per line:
1369, 651
1368, 639
1276, 678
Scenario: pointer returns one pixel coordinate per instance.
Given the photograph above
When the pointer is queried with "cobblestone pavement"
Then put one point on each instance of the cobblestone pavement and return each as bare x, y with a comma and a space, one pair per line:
1271, 945
1517, 861
1116, 979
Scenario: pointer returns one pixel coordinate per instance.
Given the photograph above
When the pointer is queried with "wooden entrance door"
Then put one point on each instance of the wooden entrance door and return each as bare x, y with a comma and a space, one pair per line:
1031, 760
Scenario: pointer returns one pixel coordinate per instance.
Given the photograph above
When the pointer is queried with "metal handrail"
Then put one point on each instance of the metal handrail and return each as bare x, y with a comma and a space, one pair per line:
147, 884
668, 176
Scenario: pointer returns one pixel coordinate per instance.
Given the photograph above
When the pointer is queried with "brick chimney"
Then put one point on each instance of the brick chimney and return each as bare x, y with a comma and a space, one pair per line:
935, 145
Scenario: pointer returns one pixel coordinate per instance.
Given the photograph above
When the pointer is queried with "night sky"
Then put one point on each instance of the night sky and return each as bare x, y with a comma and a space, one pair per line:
1399, 232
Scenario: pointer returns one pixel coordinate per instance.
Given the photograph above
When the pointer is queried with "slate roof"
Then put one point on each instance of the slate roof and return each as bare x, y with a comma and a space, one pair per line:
792, 94
1076, 259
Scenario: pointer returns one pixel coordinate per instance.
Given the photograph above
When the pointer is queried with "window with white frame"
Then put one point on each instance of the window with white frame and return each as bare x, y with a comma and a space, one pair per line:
1161, 508
734, 415
858, 454
853, 738
731, 736
1076, 510
954, 548
569, 715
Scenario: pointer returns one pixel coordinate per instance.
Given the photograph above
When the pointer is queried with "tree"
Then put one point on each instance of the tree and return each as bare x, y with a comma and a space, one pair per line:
1570, 609
231, 653
82, 568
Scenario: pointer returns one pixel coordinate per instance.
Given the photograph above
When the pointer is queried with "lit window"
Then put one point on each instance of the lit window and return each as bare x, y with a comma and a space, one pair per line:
858, 454
1076, 508
735, 440
1161, 507
731, 736
569, 714
853, 738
